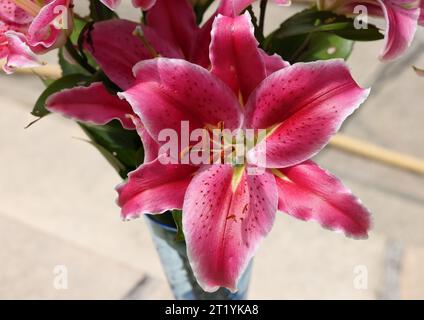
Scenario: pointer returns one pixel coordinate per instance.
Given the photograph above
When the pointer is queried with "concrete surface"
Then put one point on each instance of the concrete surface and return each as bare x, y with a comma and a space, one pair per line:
37, 264
57, 205
413, 275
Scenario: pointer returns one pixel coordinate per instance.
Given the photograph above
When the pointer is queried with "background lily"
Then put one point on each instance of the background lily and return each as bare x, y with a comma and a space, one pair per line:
28, 28
105, 40
402, 17
170, 31
226, 211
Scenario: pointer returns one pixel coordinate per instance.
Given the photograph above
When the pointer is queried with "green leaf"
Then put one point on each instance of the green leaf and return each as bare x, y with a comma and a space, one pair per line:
313, 20
47, 81
200, 8
372, 33
111, 158
178, 218
122, 148
165, 218
325, 46
310, 29
71, 63
66, 82
68, 67
99, 12
79, 24
79, 56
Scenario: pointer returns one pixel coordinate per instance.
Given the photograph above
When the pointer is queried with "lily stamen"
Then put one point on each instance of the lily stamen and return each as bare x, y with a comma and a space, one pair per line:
138, 32
28, 6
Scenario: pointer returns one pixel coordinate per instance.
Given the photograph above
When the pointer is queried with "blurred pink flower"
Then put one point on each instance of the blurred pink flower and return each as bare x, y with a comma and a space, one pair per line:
118, 45
401, 20
28, 28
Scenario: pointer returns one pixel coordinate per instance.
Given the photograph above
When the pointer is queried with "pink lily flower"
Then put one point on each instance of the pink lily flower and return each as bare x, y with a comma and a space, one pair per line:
401, 16
226, 211
174, 22
171, 31
29, 28
107, 38
105, 42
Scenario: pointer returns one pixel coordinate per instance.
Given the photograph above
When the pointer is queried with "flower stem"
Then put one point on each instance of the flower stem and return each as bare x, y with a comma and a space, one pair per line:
262, 6
78, 58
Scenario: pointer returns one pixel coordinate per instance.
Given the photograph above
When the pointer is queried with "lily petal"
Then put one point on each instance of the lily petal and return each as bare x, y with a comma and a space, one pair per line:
308, 192
224, 223
106, 41
401, 27
150, 146
302, 106
175, 22
232, 8
142, 4
234, 54
229, 8
154, 188
169, 91
111, 4
43, 32
91, 104
19, 54
11, 13
273, 63
200, 52
283, 2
